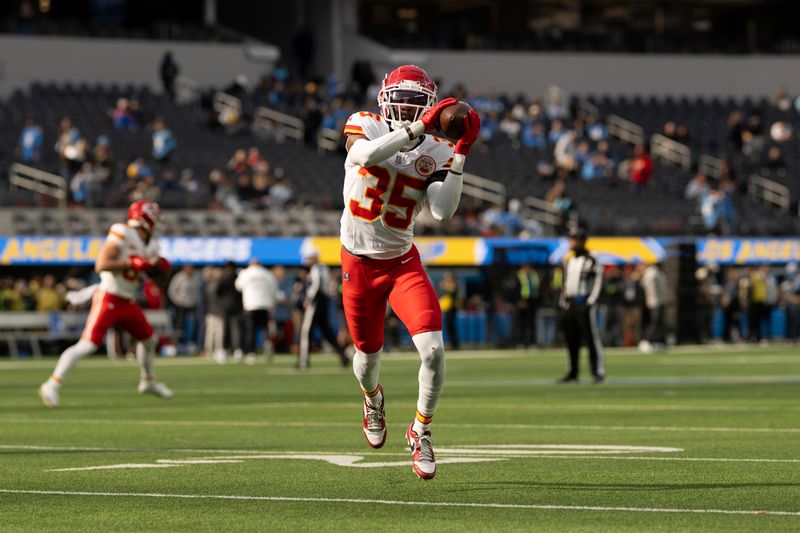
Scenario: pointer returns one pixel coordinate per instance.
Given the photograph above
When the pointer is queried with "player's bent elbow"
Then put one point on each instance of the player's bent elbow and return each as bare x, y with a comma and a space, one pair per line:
442, 215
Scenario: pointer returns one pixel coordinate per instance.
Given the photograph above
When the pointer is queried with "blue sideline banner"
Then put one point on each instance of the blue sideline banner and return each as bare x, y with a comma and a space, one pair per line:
435, 251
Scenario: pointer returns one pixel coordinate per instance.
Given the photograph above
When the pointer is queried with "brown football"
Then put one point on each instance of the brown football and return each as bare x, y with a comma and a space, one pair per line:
451, 120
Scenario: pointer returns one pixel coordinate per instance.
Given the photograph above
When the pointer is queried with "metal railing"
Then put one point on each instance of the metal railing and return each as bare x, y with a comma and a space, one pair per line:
670, 151
710, 166
542, 211
769, 191
187, 91
585, 110
328, 140
39, 181
624, 130
287, 125
484, 189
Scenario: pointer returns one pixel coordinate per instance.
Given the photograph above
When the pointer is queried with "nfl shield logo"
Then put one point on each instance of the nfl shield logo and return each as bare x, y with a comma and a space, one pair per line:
346, 276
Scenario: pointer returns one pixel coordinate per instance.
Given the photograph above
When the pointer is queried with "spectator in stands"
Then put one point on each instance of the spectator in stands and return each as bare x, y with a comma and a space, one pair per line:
565, 151
533, 135
735, 132
597, 167
312, 117
29, 149
775, 162
163, 142
682, 134
754, 138
582, 153
121, 116
670, 130
780, 132
184, 292
641, 167
782, 100
717, 211
87, 186
47, 297
237, 164
254, 159
281, 193
168, 71
556, 132
70, 147
697, 188
512, 128
225, 193
595, 130
103, 158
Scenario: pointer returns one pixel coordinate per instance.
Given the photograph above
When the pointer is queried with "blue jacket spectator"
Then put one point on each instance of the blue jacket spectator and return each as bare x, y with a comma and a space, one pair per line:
163, 141
30, 142
596, 131
533, 136
556, 132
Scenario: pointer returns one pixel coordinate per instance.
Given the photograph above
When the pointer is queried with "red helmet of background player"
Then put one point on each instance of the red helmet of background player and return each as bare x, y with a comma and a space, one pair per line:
406, 93
144, 214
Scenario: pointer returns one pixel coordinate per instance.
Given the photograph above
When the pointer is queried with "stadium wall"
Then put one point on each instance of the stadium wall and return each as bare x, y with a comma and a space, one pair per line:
25, 59
584, 73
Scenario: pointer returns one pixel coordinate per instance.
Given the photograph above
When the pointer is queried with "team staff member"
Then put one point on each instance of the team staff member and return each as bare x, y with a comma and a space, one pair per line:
316, 310
583, 278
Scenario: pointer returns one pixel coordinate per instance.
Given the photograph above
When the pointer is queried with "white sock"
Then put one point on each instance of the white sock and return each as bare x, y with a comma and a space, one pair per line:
69, 359
367, 368
431, 376
145, 355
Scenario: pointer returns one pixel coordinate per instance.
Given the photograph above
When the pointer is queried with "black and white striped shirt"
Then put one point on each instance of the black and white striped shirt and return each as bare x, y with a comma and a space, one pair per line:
583, 278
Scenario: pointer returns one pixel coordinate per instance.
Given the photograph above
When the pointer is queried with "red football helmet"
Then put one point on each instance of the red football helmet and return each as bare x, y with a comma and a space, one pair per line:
406, 93
144, 214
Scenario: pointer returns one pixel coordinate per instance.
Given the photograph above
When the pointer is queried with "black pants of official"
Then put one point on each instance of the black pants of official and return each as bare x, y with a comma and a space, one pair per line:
451, 323
656, 329
580, 326
318, 314
525, 324
254, 321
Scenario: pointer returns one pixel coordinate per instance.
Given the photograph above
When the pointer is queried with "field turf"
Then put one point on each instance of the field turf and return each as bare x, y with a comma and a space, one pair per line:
697, 439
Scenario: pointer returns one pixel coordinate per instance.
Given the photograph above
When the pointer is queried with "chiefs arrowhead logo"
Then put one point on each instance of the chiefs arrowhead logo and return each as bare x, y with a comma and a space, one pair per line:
425, 165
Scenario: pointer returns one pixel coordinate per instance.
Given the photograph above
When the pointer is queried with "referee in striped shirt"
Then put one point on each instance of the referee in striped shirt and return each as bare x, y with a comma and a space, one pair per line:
583, 279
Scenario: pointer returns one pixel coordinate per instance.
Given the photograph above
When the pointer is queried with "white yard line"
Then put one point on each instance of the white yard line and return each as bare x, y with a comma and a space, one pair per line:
283, 424
535, 452
361, 501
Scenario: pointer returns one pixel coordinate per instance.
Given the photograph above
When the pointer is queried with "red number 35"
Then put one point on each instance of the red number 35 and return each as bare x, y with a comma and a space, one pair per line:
370, 208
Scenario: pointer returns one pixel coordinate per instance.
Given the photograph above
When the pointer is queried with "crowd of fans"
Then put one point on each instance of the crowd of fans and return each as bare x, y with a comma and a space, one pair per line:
734, 304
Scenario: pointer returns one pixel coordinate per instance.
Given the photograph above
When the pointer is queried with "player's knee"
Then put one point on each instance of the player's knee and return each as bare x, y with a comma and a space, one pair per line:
150, 343
368, 347
430, 345
84, 347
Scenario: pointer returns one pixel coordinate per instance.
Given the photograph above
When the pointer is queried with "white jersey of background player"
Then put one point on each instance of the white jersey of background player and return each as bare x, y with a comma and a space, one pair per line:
128, 251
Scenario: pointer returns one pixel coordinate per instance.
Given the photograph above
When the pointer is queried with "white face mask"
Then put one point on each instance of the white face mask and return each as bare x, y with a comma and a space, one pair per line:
405, 103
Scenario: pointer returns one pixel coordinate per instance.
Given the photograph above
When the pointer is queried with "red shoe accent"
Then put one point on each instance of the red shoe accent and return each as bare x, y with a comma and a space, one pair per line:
415, 445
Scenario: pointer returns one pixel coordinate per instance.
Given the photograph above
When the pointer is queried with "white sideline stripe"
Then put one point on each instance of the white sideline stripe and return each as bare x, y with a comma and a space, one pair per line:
400, 502
266, 423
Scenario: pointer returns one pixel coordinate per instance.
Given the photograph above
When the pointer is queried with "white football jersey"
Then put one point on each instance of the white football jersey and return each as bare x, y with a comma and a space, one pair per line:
382, 201
125, 284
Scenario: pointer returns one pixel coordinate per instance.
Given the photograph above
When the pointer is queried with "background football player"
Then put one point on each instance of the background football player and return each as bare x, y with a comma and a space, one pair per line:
129, 250
392, 168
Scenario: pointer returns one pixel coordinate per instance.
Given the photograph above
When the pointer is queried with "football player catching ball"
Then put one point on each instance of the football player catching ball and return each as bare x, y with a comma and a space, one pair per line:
394, 165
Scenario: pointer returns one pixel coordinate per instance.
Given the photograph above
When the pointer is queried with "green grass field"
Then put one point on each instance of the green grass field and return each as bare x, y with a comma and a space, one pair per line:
697, 439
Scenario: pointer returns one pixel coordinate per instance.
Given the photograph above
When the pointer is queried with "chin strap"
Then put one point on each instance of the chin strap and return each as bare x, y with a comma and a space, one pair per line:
370, 152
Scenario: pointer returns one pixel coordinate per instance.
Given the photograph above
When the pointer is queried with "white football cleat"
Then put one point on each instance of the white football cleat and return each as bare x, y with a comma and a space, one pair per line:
156, 388
375, 423
422, 460
49, 395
